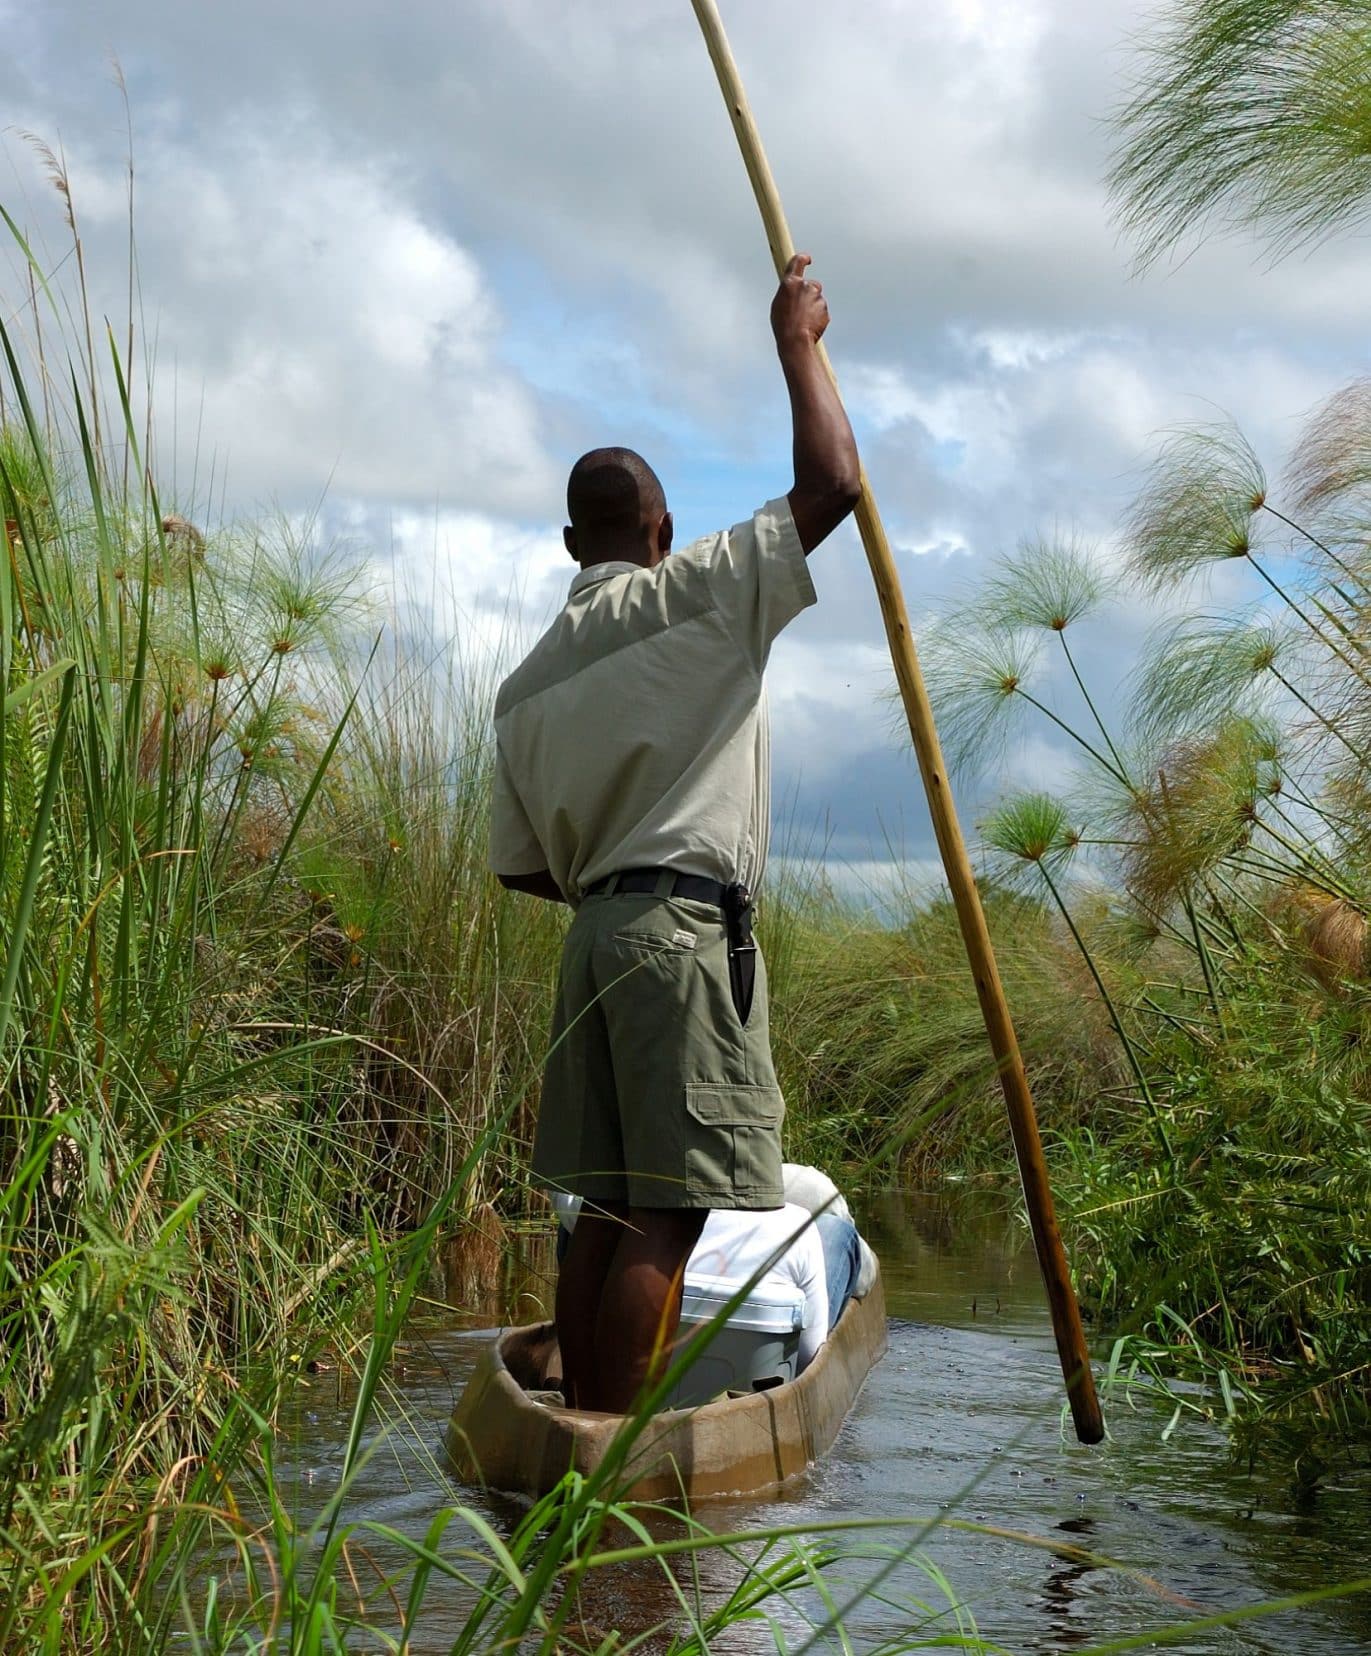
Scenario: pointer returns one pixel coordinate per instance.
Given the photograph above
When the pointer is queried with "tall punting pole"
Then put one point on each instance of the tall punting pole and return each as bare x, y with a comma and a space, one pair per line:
1023, 1122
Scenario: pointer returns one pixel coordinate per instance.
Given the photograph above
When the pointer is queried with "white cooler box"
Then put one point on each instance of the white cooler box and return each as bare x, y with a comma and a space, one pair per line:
757, 1347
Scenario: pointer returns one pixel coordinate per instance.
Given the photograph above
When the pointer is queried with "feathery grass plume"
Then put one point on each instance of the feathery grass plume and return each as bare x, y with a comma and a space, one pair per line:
1048, 583
1051, 585
1203, 668
1332, 459
1252, 114
274, 741
1329, 476
301, 595
218, 654
975, 678
1200, 809
1196, 507
1335, 938
1032, 833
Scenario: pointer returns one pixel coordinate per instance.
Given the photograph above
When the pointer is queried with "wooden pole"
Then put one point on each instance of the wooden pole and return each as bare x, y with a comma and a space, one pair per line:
1023, 1124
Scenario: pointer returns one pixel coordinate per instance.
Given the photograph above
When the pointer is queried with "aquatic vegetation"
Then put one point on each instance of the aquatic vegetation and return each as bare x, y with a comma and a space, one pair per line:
1198, 506
233, 1084
1247, 114
269, 1034
1216, 1193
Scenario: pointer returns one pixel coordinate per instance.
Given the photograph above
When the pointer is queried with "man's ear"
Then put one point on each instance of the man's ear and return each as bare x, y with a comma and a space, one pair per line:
569, 541
664, 531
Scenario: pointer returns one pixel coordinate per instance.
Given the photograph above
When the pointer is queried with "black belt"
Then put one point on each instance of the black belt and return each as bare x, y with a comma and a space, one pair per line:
735, 901
692, 886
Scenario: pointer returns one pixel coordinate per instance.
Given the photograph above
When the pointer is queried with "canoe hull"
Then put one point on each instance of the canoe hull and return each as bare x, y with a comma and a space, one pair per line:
499, 1437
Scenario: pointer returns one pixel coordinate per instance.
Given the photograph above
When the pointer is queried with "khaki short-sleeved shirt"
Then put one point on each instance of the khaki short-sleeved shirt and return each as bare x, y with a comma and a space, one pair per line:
634, 734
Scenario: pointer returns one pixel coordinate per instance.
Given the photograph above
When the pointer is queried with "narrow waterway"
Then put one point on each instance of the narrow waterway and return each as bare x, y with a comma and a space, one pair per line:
961, 1421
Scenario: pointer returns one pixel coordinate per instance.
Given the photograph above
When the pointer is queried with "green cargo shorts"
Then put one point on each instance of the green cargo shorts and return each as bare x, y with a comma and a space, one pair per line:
655, 1093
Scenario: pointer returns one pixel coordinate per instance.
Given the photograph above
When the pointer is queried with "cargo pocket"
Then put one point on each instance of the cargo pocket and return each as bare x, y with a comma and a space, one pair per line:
733, 1153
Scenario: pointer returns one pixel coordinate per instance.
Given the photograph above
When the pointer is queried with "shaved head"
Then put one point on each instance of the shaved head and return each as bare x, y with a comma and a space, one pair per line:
617, 509
613, 491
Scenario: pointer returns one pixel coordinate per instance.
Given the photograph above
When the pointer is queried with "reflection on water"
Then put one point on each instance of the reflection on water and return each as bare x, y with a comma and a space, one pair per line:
961, 1421
1062, 1603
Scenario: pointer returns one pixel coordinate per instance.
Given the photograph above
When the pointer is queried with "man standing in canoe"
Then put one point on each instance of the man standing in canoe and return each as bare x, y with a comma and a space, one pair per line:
632, 781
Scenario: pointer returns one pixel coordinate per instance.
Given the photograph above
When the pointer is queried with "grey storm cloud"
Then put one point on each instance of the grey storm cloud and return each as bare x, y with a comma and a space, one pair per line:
419, 256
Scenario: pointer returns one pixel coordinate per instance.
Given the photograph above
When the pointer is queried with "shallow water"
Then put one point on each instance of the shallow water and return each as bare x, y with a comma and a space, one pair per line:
960, 1421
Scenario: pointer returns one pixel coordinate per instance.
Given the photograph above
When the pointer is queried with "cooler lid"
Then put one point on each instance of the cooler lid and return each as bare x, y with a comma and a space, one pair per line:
766, 1310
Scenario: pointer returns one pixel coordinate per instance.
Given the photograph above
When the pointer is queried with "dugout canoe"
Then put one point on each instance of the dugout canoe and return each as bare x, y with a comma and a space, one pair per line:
742, 1444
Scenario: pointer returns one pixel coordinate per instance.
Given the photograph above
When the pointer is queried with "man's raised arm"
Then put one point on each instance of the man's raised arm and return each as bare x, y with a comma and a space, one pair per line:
827, 472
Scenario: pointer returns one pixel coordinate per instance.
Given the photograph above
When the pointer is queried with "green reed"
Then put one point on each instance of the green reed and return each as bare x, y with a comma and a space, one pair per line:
252, 962
1216, 1186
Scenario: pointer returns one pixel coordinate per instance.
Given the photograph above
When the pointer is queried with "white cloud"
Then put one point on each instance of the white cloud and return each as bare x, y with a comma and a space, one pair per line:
425, 263
333, 332
494, 583
827, 700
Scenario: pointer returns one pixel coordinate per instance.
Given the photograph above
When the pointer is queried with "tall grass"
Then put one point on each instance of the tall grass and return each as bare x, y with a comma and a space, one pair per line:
260, 1008
880, 1045
268, 1034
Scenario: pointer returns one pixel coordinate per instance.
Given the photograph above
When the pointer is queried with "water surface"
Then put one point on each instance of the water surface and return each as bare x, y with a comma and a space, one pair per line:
962, 1420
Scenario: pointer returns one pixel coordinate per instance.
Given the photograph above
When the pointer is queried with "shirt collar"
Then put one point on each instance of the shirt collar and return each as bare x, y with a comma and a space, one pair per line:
600, 572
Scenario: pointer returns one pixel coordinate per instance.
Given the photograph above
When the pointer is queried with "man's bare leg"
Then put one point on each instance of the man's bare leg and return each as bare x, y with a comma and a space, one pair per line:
580, 1285
640, 1303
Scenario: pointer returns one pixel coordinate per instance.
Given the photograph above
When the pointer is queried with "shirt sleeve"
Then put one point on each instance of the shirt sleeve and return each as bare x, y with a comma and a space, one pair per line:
514, 847
759, 577
808, 1254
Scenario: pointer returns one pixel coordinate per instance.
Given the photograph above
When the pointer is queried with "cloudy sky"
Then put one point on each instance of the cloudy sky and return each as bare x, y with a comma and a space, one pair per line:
414, 258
